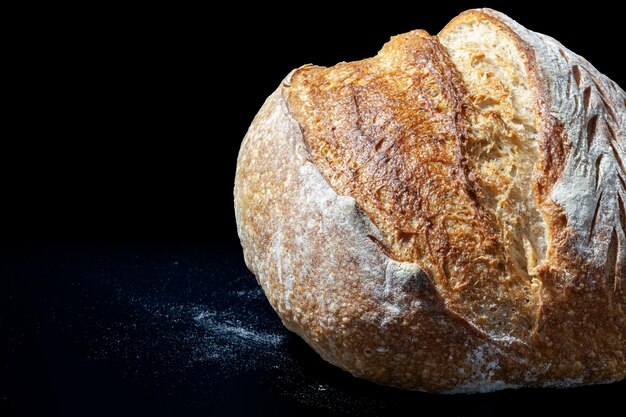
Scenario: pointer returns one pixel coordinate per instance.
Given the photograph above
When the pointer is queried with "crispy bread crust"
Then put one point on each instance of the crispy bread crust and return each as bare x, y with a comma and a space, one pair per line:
361, 219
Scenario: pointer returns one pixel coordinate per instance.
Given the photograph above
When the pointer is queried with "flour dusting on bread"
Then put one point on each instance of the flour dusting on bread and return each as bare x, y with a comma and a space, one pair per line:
448, 215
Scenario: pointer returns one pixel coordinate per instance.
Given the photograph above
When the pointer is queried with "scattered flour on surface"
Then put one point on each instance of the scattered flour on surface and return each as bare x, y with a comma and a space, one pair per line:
230, 334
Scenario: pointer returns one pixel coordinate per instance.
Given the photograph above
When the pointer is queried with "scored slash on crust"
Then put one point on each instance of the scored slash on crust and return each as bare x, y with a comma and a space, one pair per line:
448, 215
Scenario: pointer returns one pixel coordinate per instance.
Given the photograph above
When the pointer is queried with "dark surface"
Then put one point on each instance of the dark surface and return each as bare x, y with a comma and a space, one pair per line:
184, 331
122, 286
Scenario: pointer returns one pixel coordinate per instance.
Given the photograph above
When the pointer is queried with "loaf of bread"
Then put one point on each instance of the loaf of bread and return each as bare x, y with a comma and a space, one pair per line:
448, 215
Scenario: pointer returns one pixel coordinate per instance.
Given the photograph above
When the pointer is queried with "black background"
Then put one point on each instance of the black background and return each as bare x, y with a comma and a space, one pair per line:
121, 150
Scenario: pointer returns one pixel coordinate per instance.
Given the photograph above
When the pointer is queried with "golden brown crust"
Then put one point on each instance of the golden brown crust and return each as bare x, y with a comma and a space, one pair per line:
333, 285
390, 132
553, 143
581, 320
363, 212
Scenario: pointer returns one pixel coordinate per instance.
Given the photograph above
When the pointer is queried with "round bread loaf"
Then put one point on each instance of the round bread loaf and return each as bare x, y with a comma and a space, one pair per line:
448, 215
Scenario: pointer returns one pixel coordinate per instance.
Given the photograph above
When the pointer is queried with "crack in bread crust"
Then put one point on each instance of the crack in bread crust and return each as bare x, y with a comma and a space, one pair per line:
391, 132
503, 147
363, 208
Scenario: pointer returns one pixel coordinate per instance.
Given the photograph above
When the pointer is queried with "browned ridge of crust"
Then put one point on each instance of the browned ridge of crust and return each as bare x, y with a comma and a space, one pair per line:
391, 132
447, 215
